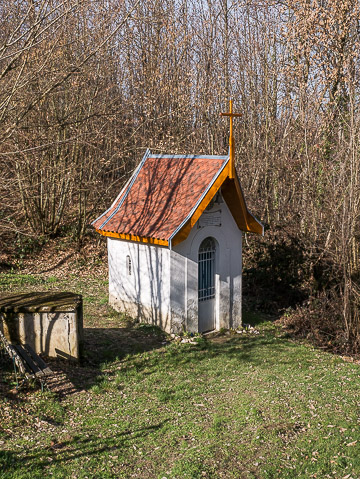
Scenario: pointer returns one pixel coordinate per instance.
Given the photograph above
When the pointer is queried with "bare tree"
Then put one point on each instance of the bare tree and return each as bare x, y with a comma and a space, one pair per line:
86, 86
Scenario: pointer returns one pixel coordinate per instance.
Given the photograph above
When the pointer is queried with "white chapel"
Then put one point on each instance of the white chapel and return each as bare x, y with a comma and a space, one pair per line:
174, 238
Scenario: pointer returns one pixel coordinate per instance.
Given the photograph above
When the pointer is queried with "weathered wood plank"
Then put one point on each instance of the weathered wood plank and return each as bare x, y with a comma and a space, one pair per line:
34, 368
37, 359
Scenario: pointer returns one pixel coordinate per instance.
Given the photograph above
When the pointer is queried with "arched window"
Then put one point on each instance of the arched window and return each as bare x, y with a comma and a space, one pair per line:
206, 269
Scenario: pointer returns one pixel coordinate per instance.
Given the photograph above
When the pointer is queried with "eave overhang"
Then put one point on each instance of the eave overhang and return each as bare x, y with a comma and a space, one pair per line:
232, 194
137, 239
234, 198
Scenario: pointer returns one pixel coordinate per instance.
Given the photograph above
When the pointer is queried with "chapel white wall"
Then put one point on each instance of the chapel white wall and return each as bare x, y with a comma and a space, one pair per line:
163, 286
184, 273
145, 293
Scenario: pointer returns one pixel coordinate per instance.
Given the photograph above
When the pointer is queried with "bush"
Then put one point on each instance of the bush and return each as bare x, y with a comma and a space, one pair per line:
321, 321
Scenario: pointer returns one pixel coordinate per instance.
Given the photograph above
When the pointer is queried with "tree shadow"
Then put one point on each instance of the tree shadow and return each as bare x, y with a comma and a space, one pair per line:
256, 319
105, 346
102, 346
60, 263
247, 348
243, 349
74, 448
37, 301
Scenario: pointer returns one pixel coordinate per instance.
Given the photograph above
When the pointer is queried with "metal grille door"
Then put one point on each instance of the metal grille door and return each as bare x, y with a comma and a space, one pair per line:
206, 274
206, 284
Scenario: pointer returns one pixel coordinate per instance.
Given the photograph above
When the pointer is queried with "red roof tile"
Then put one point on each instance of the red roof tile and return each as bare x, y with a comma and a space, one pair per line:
160, 196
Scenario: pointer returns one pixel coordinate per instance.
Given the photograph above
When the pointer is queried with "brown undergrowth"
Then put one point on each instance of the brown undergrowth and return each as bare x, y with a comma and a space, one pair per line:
56, 256
287, 276
319, 321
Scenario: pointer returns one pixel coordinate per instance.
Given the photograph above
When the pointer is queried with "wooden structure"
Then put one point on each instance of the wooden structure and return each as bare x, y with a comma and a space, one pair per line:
49, 322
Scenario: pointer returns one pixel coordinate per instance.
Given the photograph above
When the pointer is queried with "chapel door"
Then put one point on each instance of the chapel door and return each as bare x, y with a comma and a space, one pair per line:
206, 284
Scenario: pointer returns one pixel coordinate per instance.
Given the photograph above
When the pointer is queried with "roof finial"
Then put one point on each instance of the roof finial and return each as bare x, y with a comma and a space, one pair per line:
231, 140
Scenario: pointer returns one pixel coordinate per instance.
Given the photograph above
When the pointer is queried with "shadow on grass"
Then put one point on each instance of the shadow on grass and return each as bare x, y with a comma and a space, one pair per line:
74, 448
104, 347
251, 349
108, 344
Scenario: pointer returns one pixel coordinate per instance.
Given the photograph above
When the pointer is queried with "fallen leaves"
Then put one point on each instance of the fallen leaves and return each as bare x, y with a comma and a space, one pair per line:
351, 444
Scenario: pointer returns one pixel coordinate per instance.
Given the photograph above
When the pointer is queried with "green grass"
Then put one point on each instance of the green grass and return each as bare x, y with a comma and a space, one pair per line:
9, 281
239, 406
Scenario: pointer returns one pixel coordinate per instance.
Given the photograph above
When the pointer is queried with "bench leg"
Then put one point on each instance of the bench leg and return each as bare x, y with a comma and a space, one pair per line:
15, 371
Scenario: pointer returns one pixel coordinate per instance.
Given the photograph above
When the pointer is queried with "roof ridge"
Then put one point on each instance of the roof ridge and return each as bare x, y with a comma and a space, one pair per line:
191, 157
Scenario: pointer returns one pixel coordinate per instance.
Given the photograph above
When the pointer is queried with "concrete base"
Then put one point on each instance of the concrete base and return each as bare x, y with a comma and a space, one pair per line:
51, 323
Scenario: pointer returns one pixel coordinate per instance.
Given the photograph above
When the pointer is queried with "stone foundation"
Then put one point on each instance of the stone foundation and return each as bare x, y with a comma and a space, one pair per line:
51, 323
141, 312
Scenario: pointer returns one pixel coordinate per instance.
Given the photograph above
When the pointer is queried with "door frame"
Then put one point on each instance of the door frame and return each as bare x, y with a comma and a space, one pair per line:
214, 261
192, 269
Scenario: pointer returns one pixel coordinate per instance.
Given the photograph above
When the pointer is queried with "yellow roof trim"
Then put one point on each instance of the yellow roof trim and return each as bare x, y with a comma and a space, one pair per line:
233, 197
185, 230
137, 239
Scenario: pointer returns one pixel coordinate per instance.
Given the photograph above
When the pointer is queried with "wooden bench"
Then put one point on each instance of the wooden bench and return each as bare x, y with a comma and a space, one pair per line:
28, 362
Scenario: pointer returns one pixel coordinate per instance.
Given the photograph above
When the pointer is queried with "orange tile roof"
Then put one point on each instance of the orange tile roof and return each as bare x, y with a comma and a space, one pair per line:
160, 196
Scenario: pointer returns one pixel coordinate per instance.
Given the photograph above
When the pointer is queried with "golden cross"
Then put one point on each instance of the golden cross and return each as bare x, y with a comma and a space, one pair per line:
231, 140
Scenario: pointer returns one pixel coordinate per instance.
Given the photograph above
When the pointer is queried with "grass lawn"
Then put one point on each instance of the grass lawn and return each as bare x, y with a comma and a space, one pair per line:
236, 406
